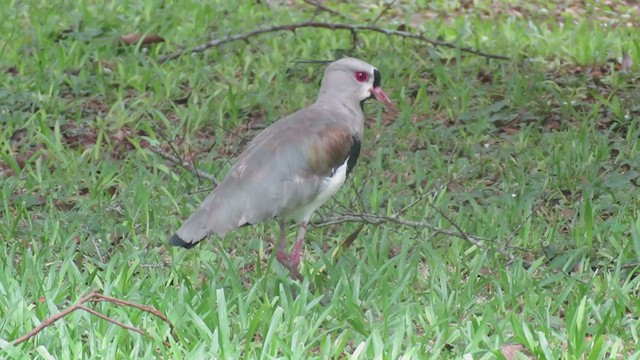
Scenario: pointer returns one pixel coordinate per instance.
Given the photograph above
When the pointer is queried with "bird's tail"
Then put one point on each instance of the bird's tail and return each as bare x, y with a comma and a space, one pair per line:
176, 240
211, 217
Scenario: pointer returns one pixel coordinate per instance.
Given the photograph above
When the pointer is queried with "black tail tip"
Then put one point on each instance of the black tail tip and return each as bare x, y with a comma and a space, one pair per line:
176, 240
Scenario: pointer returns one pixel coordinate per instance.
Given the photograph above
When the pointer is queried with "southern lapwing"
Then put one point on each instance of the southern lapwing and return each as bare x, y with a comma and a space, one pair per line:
293, 166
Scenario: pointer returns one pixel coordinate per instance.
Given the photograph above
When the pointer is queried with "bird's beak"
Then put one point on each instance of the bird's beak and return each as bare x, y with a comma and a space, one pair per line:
379, 95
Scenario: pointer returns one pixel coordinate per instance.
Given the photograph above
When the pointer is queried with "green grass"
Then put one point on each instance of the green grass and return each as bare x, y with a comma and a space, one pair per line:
538, 154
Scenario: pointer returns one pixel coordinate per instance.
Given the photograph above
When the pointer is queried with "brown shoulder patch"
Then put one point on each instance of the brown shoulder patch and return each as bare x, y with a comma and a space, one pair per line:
329, 149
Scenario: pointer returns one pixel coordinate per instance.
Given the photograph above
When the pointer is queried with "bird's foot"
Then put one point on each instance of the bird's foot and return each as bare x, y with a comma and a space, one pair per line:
296, 253
291, 263
282, 257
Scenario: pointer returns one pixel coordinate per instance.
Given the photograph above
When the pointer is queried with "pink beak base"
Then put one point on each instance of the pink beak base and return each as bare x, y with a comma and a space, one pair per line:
379, 94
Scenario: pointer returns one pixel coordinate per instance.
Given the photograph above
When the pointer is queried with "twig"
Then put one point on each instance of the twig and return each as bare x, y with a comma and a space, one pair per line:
330, 26
630, 265
534, 208
145, 308
507, 244
113, 321
361, 189
380, 219
96, 296
453, 223
176, 155
327, 9
386, 8
97, 250
185, 164
434, 190
53, 319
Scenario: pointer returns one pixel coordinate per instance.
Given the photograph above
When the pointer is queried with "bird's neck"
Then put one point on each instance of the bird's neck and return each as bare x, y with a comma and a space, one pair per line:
344, 109
348, 101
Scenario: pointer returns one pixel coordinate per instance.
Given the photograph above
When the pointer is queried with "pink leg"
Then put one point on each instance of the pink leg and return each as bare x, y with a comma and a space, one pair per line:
296, 252
281, 255
284, 258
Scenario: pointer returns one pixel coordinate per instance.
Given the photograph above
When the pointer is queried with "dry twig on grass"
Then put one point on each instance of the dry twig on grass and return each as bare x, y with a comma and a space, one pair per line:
96, 296
185, 164
320, 7
384, 10
331, 26
381, 219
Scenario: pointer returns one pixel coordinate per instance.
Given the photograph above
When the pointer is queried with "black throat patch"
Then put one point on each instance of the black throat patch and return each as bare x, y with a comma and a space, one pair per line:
354, 153
377, 78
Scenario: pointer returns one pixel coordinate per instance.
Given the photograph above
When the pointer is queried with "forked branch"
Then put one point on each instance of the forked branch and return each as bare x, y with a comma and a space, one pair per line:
96, 296
184, 164
331, 26
381, 219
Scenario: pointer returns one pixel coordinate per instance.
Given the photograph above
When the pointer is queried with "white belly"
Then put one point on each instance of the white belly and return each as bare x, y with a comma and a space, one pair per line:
329, 187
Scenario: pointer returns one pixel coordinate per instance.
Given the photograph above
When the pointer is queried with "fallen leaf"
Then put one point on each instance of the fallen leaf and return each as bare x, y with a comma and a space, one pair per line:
64, 205
18, 135
485, 77
511, 351
182, 101
351, 238
11, 70
107, 65
143, 39
567, 213
510, 130
455, 187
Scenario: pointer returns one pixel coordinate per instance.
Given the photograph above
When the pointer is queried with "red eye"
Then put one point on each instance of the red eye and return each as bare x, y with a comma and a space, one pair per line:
362, 76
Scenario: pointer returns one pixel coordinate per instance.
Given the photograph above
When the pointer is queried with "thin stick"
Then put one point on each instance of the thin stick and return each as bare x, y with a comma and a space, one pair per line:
145, 308
435, 189
96, 296
54, 318
176, 154
97, 250
330, 26
507, 244
386, 8
113, 321
534, 208
327, 9
455, 225
380, 219
185, 164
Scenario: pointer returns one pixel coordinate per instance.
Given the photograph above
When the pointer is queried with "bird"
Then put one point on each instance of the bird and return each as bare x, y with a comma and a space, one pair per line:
294, 165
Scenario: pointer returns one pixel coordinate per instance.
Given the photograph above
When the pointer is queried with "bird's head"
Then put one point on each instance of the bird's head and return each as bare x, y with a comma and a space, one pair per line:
353, 80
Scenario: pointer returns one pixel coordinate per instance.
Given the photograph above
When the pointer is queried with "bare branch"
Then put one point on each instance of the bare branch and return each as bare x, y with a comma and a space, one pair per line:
54, 318
386, 8
145, 308
327, 9
97, 250
96, 296
331, 26
185, 164
381, 219
455, 225
113, 321
435, 189
507, 243
534, 209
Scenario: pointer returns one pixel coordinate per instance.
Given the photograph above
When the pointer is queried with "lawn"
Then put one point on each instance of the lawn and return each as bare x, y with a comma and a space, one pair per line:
499, 206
